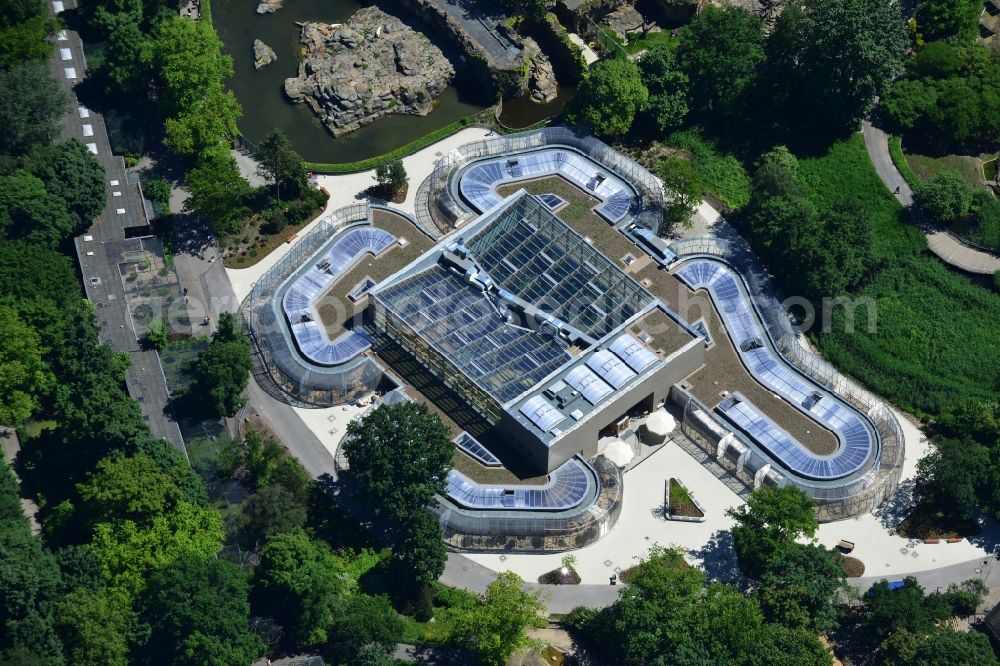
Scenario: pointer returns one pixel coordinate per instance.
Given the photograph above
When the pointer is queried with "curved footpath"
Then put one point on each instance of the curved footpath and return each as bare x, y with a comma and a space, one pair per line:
948, 248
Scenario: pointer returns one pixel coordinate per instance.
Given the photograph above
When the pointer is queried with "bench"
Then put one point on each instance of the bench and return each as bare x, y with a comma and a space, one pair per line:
845, 545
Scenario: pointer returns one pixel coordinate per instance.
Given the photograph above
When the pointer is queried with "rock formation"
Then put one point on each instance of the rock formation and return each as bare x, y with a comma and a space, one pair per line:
263, 54
542, 86
373, 65
624, 20
269, 6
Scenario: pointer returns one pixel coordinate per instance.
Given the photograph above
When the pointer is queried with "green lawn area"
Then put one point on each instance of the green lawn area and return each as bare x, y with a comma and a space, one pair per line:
637, 43
927, 167
934, 327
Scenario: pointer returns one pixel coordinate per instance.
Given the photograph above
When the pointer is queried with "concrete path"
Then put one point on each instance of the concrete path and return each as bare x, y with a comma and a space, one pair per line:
11, 446
948, 248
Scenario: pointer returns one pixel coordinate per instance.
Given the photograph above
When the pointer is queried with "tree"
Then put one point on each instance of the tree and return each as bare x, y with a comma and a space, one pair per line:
130, 552
799, 589
767, 525
71, 172
31, 104
667, 85
131, 488
30, 212
401, 454
831, 59
391, 178
23, 375
208, 124
941, 19
223, 369
945, 198
198, 611
953, 475
420, 550
279, 163
494, 627
24, 25
720, 53
941, 645
93, 626
609, 97
29, 587
156, 335
217, 192
683, 188
373, 654
366, 620
254, 458
273, 510
301, 582
906, 607
124, 72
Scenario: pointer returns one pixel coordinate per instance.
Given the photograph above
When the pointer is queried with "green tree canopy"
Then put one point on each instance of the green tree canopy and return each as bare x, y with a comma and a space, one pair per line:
198, 612
29, 211
303, 583
31, 104
941, 19
391, 177
273, 510
608, 97
420, 550
494, 627
279, 163
954, 475
132, 488
944, 198
29, 581
831, 59
769, 523
71, 172
682, 182
218, 193
402, 455
800, 588
366, 620
129, 552
720, 53
24, 25
223, 369
667, 85
23, 374
94, 628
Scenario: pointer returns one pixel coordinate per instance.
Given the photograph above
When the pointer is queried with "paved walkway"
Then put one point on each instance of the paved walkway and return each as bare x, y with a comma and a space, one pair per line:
948, 248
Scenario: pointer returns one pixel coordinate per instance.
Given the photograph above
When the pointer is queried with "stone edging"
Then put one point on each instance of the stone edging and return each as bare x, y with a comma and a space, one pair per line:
666, 503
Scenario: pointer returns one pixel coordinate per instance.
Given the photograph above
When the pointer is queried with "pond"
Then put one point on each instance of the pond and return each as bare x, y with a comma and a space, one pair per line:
262, 95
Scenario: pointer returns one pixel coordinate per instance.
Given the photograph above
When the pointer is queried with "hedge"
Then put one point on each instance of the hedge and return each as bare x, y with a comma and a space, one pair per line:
899, 159
402, 151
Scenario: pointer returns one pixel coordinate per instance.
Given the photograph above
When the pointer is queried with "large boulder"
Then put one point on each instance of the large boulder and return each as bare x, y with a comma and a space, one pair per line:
263, 54
542, 85
269, 6
353, 73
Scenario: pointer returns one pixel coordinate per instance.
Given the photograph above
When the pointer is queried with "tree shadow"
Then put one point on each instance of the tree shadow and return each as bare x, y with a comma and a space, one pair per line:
894, 509
718, 559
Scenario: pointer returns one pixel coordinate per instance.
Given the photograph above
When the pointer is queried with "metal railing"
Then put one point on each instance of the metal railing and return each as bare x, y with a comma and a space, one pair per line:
439, 205
863, 495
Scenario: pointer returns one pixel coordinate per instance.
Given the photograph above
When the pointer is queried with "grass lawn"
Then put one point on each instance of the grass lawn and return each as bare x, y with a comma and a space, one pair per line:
934, 327
636, 42
927, 167
681, 503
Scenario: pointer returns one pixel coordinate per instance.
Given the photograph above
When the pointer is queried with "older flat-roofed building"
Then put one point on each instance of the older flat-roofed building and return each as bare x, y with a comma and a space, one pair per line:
542, 335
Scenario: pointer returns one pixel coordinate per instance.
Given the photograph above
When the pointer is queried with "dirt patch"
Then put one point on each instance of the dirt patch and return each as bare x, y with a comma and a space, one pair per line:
852, 566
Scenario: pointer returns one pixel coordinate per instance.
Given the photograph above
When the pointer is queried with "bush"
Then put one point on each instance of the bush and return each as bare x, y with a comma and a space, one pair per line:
945, 198
721, 176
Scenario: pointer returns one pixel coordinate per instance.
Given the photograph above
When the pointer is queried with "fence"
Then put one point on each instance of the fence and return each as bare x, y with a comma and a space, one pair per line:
850, 498
307, 383
439, 205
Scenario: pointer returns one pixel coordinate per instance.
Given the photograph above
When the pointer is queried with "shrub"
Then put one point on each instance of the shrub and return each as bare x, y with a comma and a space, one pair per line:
945, 198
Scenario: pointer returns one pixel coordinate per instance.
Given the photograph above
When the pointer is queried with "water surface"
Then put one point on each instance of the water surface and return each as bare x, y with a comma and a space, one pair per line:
265, 106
